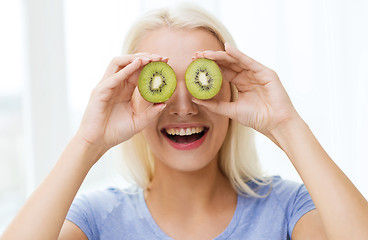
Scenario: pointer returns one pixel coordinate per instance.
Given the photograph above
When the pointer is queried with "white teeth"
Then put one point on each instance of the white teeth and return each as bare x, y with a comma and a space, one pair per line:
184, 131
189, 131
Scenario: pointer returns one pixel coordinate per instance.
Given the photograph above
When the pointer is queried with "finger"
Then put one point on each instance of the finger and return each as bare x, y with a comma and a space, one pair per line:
129, 69
224, 59
247, 62
118, 63
233, 70
142, 119
230, 68
152, 57
220, 107
123, 75
214, 55
156, 57
129, 76
228, 74
221, 58
141, 54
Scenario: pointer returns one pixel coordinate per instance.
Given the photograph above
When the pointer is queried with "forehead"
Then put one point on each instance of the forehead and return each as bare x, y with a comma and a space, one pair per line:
178, 44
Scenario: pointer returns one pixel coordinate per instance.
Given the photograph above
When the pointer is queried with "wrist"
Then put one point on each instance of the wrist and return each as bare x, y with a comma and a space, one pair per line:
287, 130
92, 150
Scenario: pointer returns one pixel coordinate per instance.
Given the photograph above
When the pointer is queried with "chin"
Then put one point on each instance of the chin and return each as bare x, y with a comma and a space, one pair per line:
186, 162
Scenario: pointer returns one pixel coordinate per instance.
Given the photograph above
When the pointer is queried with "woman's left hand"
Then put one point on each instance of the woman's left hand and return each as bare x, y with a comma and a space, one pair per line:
263, 103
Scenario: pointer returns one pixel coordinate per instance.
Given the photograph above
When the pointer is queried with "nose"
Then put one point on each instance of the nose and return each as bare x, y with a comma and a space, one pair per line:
180, 103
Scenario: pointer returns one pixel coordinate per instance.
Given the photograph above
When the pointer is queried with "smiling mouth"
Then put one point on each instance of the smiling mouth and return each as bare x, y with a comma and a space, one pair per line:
184, 135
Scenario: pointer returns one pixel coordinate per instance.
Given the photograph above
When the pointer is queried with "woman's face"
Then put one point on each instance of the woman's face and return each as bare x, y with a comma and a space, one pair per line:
193, 151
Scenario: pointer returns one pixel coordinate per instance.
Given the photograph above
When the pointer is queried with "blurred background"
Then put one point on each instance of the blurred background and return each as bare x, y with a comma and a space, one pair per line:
53, 53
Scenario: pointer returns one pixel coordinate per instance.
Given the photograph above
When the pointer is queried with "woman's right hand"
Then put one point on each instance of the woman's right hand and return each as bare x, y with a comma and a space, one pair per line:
109, 118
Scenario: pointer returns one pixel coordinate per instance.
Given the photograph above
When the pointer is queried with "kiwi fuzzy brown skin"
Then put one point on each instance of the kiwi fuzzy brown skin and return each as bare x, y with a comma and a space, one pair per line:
157, 82
203, 78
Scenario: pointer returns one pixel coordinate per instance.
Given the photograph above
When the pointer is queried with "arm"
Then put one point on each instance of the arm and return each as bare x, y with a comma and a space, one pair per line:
264, 105
342, 209
109, 119
70, 231
44, 212
309, 226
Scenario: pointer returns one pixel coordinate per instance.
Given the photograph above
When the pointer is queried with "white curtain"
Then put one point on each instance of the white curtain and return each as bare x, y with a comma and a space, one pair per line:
56, 52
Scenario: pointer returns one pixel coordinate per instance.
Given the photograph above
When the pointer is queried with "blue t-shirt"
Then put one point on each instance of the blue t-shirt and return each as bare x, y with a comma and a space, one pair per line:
114, 214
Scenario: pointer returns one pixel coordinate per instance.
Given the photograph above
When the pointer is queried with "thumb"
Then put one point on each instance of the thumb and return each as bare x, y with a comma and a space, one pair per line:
142, 119
227, 109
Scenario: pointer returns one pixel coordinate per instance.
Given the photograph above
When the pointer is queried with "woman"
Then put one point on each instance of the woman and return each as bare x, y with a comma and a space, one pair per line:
212, 189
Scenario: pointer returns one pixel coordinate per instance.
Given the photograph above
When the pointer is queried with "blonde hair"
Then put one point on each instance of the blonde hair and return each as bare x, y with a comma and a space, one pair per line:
237, 157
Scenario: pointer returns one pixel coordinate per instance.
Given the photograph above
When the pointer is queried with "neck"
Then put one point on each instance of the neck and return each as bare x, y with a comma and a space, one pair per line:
189, 192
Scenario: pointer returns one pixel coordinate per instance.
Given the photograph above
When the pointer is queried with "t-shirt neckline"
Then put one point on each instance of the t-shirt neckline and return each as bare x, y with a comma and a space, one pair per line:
162, 235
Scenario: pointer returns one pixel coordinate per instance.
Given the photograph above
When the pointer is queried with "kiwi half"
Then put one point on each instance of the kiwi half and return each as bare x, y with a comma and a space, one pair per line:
157, 82
203, 78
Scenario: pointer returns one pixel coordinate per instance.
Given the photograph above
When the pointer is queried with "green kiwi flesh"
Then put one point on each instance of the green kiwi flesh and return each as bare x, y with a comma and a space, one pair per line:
157, 82
203, 78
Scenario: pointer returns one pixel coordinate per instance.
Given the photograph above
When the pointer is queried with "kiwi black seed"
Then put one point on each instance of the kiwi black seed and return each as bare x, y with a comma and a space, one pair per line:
157, 82
203, 78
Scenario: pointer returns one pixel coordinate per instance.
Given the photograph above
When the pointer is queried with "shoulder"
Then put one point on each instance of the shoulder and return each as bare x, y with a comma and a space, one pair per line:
286, 193
277, 187
93, 210
282, 200
109, 195
292, 196
104, 201
286, 189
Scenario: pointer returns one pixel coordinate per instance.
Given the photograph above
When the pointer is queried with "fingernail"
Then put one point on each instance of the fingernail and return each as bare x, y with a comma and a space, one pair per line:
161, 105
195, 101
